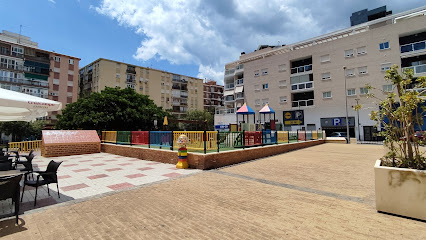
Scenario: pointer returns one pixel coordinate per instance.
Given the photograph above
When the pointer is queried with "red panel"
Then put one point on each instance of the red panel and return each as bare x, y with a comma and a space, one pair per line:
302, 136
140, 137
252, 138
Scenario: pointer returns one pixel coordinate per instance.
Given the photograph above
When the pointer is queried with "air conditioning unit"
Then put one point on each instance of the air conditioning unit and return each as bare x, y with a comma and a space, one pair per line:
350, 75
324, 78
350, 55
360, 53
363, 72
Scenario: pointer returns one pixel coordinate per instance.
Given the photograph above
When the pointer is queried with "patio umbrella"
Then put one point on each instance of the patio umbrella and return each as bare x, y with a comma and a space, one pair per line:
16, 106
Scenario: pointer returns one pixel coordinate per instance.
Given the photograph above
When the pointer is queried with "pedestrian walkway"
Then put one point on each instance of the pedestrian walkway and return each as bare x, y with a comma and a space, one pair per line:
321, 192
88, 175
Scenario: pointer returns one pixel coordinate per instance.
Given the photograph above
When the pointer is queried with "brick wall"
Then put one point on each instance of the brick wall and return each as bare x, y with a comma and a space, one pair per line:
206, 161
68, 149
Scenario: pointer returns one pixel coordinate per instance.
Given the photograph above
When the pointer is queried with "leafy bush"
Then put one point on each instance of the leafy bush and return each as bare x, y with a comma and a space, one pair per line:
399, 114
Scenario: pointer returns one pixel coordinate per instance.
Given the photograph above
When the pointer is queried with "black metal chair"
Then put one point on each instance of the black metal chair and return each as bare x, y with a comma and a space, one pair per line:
6, 163
9, 188
28, 164
47, 177
27, 155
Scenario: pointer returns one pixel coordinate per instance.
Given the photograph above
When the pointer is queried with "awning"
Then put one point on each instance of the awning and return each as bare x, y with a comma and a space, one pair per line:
245, 110
16, 106
229, 92
239, 89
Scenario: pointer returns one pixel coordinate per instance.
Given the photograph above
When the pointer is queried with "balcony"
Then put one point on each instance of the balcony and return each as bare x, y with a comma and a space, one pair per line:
176, 103
229, 86
239, 96
411, 47
302, 86
418, 70
37, 59
24, 82
229, 72
14, 67
302, 103
229, 99
184, 94
240, 81
301, 69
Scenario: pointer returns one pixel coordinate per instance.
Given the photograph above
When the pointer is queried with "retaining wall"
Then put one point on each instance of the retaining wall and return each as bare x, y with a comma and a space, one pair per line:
209, 160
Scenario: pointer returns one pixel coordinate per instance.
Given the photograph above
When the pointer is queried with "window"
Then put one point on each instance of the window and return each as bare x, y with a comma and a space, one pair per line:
56, 81
265, 86
362, 70
256, 88
70, 72
130, 86
117, 75
326, 94
351, 92
71, 61
350, 72
387, 88
385, 66
56, 70
265, 71
325, 76
265, 101
363, 91
17, 51
283, 83
70, 83
57, 59
349, 53
282, 68
384, 45
325, 58
283, 99
256, 73
361, 51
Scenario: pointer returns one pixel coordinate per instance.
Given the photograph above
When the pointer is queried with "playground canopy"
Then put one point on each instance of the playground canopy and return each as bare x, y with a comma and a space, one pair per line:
16, 106
266, 110
246, 110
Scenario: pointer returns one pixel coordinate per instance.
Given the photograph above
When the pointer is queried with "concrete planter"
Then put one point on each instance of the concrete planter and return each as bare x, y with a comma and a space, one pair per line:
400, 191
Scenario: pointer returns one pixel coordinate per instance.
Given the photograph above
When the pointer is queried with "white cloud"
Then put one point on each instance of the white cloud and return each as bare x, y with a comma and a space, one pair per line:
212, 33
52, 1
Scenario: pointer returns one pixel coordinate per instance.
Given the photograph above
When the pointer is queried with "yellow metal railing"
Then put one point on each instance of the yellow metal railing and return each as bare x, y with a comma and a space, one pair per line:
196, 139
282, 136
109, 136
26, 146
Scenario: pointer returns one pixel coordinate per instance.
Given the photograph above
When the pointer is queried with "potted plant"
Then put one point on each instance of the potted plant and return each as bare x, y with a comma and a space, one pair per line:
400, 175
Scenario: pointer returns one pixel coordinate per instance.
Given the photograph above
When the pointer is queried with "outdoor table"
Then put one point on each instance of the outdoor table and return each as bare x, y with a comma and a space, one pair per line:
9, 173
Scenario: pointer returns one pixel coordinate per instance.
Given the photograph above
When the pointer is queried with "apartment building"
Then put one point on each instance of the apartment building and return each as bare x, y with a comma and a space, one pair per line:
315, 77
26, 68
213, 96
168, 90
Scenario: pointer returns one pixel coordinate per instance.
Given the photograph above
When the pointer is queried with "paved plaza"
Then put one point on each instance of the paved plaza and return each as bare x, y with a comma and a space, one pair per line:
321, 192
88, 175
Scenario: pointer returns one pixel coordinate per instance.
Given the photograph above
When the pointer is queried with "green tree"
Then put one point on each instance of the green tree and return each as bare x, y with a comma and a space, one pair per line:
399, 114
199, 115
19, 130
112, 109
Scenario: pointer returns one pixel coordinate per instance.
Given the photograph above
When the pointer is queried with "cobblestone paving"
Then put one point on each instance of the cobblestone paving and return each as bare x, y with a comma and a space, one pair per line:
322, 192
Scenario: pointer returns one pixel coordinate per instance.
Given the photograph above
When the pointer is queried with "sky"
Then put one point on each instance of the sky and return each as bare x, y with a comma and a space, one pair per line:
189, 37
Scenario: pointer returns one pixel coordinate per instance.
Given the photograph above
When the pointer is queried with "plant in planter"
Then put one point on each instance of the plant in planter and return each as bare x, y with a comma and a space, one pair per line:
400, 175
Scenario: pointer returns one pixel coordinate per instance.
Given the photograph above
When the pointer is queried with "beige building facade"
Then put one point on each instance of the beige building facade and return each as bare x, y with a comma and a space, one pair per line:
315, 77
168, 90
28, 69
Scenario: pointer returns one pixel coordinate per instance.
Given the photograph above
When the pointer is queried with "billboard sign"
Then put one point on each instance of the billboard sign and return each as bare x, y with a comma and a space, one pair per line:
293, 117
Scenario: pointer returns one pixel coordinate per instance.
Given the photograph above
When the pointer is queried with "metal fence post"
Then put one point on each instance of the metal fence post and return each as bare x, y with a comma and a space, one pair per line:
205, 142
305, 135
173, 136
262, 138
217, 140
297, 135
149, 139
131, 137
288, 136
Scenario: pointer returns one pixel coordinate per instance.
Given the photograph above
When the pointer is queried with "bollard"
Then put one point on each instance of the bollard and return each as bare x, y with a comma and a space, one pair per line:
182, 152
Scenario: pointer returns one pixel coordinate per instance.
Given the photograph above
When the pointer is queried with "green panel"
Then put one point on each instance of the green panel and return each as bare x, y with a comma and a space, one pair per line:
124, 137
30, 76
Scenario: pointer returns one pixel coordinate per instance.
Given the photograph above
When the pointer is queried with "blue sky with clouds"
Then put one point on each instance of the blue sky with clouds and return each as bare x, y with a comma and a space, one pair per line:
189, 37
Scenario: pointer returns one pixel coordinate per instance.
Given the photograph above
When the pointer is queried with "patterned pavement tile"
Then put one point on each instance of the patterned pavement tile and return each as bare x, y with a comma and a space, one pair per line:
97, 176
82, 170
74, 187
145, 168
135, 175
120, 186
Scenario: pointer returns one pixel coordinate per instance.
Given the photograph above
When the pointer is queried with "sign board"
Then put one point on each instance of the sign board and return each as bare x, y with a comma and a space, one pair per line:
337, 122
293, 117
222, 128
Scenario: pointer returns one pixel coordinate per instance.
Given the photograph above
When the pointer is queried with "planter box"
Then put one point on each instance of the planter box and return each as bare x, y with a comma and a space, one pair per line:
400, 191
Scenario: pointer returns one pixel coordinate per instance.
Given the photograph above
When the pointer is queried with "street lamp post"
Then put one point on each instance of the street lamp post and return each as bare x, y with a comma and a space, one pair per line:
357, 116
346, 108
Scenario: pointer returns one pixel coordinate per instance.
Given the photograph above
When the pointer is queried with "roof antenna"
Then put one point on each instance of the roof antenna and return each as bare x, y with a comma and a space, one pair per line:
20, 30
